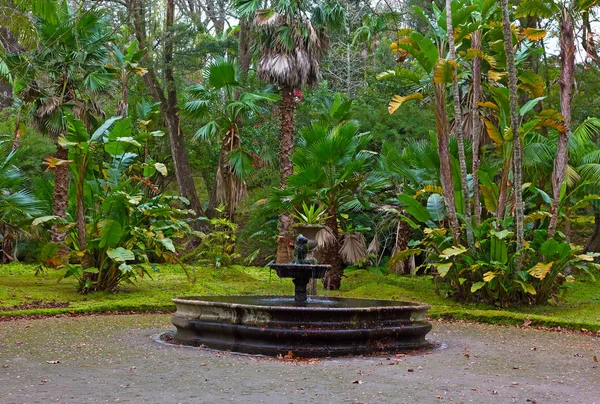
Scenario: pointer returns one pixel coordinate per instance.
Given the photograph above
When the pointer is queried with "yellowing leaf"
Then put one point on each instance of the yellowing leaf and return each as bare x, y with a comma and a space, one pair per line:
398, 100
495, 76
534, 216
488, 276
432, 189
551, 119
489, 105
586, 257
161, 168
527, 287
493, 132
490, 199
443, 72
452, 251
534, 34
443, 268
532, 82
540, 270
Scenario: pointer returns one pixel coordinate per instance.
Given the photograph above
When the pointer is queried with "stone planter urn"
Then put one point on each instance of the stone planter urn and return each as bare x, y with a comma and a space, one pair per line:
309, 231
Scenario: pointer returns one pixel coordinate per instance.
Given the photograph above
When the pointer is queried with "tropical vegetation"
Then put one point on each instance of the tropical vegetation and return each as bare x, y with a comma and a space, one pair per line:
455, 141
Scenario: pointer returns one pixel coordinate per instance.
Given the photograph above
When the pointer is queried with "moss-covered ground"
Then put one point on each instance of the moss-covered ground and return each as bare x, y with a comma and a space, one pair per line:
22, 293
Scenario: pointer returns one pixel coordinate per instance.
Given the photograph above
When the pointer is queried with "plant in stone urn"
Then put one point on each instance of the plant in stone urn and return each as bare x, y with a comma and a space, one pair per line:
310, 221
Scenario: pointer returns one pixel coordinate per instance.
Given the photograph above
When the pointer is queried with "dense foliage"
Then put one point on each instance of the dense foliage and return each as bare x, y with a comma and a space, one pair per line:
440, 138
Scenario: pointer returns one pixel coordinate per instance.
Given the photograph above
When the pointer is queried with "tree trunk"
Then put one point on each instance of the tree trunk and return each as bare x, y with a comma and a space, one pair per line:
441, 124
406, 266
61, 195
168, 104
80, 216
462, 160
514, 119
476, 123
18, 134
331, 253
593, 244
123, 105
286, 168
566, 81
244, 51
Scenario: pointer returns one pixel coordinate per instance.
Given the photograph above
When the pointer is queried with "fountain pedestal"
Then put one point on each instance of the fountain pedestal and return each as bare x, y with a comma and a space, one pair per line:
301, 274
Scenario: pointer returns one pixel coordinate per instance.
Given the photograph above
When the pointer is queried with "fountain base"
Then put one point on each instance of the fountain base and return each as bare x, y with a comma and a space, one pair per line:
319, 328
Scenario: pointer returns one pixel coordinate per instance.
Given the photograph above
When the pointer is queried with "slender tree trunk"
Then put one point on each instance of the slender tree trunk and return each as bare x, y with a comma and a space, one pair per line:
18, 134
514, 119
168, 104
285, 240
503, 191
80, 216
61, 195
462, 160
441, 124
476, 123
593, 244
244, 51
123, 105
331, 253
566, 81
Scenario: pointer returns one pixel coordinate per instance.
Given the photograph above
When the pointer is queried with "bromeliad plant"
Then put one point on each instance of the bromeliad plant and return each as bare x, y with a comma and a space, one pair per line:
122, 221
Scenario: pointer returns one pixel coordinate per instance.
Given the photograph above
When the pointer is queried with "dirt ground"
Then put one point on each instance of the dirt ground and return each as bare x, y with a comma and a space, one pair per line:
119, 359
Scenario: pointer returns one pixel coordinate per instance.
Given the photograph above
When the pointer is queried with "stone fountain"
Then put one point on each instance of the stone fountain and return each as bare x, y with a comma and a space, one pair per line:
306, 327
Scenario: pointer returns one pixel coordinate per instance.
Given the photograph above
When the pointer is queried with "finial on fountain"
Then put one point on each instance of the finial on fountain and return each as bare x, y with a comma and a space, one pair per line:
300, 250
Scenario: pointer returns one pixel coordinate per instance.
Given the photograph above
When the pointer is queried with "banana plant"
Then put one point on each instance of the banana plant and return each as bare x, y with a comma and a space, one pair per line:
118, 225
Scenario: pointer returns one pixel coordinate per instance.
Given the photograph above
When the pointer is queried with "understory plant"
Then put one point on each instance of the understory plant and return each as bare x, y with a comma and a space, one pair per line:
122, 220
489, 272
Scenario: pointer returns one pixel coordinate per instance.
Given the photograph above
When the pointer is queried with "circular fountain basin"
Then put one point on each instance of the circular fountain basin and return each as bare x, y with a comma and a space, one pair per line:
273, 325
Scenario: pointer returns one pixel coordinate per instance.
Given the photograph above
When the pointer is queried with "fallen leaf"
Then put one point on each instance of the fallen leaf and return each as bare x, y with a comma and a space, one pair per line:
411, 370
357, 382
527, 323
595, 359
53, 362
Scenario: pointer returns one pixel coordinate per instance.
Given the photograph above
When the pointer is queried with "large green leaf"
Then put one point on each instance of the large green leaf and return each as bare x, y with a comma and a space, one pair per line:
104, 127
435, 207
120, 254
414, 208
111, 234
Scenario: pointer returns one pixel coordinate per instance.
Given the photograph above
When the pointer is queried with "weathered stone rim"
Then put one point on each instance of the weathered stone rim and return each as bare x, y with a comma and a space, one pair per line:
403, 305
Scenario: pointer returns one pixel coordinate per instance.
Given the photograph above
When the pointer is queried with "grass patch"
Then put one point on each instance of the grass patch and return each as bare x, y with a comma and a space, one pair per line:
19, 287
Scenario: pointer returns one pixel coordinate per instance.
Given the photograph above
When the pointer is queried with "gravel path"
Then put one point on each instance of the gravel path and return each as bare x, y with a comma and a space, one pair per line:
117, 359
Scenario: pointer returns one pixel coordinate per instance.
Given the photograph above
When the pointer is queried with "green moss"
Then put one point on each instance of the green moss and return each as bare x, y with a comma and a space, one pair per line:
18, 285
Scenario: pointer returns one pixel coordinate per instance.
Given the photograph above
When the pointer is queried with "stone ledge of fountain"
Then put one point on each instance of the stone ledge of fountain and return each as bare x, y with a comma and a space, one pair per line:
275, 325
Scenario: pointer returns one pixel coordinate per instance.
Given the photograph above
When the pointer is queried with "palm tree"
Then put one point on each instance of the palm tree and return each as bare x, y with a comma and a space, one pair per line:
292, 38
17, 206
331, 169
61, 75
223, 105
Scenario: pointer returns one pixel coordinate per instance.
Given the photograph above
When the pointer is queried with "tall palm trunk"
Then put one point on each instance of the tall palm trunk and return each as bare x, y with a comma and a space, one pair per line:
476, 123
331, 253
514, 120
286, 168
441, 125
566, 81
61, 194
462, 160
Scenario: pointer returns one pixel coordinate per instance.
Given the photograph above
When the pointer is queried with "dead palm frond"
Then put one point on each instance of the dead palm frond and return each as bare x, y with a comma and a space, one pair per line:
354, 248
